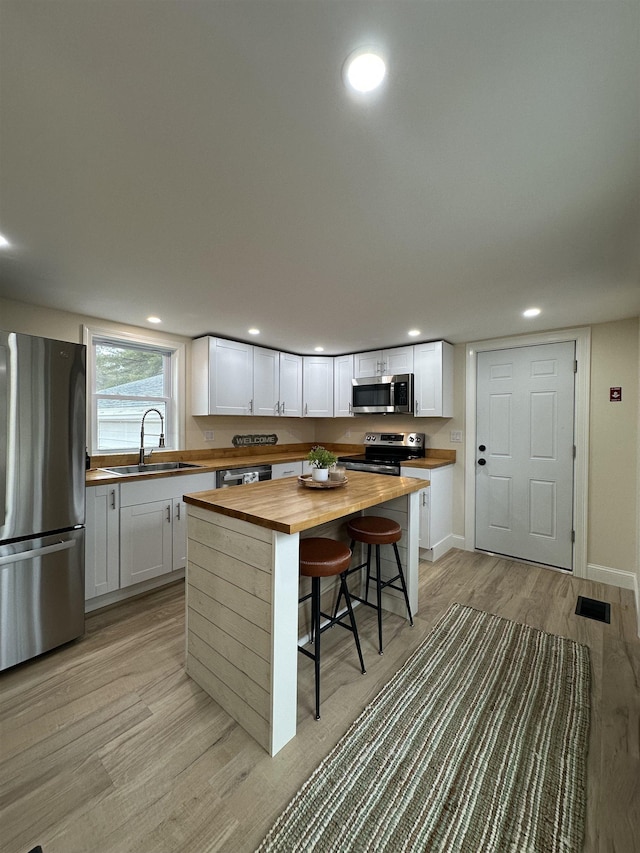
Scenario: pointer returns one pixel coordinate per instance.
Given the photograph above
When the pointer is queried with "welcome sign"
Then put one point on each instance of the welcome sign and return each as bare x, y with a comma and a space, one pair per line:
253, 440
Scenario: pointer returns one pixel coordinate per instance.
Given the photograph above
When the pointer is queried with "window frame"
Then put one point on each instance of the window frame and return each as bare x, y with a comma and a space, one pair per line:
175, 405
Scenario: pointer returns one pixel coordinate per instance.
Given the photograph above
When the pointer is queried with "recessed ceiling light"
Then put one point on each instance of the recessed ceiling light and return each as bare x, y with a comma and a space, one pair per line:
413, 333
318, 349
531, 312
254, 331
4, 243
154, 320
364, 70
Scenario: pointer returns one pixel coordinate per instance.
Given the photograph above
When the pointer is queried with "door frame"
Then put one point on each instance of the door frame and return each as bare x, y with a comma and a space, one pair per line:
582, 338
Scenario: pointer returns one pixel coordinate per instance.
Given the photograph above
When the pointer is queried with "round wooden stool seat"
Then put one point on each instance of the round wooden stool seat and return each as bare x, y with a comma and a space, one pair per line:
322, 558
374, 530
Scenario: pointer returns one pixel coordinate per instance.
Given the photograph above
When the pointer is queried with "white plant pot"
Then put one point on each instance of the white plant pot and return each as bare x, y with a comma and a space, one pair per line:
320, 475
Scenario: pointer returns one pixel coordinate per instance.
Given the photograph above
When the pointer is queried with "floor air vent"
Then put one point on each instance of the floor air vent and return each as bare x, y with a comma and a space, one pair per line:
593, 609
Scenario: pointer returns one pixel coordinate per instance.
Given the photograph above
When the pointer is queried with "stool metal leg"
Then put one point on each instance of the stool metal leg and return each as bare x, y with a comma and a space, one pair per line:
403, 583
379, 597
315, 602
344, 588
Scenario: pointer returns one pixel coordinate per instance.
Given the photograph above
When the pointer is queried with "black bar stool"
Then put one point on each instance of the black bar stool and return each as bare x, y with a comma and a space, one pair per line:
321, 558
375, 530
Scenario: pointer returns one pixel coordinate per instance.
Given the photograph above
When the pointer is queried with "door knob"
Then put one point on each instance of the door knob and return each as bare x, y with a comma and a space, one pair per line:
482, 461
482, 448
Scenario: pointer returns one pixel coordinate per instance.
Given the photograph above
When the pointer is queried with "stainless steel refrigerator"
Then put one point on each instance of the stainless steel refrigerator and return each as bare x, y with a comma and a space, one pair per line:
42, 503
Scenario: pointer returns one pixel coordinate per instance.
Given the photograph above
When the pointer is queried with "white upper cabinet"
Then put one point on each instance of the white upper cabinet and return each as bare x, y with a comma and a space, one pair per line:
386, 362
290, 402
222, 377
342, 385
317, 386
266, 381
433, 380
277, 383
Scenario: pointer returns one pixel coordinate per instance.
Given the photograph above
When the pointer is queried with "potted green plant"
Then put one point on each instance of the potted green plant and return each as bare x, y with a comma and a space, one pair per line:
321, 460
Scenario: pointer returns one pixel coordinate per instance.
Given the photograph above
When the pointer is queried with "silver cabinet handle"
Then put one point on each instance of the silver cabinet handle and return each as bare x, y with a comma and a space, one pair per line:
169, 513
306, 409
417, 408
178, 505
250, 407
277, 409
113, 498
282, 409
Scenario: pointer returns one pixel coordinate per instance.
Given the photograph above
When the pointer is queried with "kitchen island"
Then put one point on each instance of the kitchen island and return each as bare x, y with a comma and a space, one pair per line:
242, 586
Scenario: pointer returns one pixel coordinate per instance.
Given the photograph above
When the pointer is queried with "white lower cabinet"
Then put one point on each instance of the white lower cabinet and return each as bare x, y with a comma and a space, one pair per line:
153, 533
436, 510
102, 541
286, 469
137, 531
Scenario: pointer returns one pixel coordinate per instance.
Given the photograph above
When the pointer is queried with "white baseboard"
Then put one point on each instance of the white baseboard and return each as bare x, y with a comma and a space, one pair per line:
130, 591
613, 577
441, 548
617, 577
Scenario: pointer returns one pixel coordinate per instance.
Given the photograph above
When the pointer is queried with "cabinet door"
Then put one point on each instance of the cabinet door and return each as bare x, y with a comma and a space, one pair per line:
424, 538
441, 515
290, 385
179, 546
367, 364
146, 541
398, 360
433, 380
286, 469
266, 381
102, 540
317, 386
231, 377
342, 386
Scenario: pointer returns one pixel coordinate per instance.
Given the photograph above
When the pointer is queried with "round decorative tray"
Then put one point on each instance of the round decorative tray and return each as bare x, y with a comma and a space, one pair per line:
310, 483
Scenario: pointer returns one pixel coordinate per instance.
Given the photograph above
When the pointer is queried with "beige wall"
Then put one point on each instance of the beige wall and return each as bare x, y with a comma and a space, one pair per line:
613, 510
613, 456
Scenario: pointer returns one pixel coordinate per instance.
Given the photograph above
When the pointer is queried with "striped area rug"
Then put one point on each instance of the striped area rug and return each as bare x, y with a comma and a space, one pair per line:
477, 744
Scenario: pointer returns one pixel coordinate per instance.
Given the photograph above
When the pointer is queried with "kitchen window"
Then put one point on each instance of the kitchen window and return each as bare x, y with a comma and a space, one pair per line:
128, 374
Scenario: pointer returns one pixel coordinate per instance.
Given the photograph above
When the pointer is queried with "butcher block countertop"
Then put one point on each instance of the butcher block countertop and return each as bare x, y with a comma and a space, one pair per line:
216, 460
290, 507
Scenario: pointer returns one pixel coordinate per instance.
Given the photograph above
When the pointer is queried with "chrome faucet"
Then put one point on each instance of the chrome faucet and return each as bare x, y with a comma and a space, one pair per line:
161, 441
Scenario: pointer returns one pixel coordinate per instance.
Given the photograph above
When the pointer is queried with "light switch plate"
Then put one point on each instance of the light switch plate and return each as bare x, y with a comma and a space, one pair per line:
456, 435
208, 435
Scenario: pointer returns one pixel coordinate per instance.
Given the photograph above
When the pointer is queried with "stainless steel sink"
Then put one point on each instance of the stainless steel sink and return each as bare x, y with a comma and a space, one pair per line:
152, 468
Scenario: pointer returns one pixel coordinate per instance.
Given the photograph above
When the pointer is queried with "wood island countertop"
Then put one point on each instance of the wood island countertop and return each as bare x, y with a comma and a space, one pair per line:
290, 507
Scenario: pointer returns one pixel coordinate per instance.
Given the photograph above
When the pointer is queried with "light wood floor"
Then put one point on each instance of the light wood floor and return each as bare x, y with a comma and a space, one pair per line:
106, 745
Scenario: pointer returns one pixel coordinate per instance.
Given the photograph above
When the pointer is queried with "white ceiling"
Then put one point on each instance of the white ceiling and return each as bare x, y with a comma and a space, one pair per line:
202, 161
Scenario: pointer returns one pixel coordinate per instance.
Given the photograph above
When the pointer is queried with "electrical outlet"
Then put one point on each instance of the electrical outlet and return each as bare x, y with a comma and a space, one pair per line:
208, 435
456, 435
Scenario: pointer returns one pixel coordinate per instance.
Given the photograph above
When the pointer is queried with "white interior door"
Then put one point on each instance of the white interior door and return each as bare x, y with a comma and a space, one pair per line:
524, 453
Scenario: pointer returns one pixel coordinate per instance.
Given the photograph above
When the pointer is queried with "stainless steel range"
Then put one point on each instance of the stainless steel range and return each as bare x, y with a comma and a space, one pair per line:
384, 452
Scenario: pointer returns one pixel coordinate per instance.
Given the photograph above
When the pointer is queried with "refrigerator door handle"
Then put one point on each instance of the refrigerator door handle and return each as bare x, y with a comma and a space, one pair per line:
37, 552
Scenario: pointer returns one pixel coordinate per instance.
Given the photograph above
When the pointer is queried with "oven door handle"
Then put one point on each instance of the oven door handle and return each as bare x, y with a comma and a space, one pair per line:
373, 469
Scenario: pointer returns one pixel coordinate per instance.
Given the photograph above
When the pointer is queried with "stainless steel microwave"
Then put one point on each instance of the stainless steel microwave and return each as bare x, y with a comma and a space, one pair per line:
383, 395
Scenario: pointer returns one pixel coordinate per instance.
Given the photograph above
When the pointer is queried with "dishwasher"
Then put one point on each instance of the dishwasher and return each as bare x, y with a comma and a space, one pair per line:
241, 476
